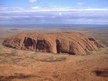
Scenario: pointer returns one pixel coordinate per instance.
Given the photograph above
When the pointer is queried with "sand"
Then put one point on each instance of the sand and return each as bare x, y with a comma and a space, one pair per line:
23, 65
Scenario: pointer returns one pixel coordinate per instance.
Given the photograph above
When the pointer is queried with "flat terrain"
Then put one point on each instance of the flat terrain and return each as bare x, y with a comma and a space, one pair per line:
23, 65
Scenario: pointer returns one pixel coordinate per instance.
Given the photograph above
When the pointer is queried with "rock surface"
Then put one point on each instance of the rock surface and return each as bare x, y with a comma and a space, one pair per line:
73, 43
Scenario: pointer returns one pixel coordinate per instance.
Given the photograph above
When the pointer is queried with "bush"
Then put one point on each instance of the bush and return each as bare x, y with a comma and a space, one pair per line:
54, 59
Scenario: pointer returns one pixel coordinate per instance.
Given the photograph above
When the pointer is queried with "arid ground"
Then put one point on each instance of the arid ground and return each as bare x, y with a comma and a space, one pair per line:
23, 65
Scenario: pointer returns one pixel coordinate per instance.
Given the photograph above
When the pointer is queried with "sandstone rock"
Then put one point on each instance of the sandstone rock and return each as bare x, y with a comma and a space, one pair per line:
59, 42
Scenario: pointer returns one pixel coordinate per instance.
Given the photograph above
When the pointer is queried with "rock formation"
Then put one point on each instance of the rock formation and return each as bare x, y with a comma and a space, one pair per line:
58, 42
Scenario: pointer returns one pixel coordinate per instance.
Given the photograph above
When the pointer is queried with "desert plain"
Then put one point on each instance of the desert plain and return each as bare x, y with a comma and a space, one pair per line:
26, 65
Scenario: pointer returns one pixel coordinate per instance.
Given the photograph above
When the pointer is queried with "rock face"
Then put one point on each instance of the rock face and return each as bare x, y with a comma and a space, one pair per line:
59, 42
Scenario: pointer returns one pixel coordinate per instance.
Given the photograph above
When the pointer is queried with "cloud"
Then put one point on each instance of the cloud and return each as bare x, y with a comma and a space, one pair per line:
11, 9
41, 9
32, 1
80, 3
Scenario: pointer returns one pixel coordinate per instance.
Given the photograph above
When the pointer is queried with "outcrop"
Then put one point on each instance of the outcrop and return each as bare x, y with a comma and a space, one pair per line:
73, 43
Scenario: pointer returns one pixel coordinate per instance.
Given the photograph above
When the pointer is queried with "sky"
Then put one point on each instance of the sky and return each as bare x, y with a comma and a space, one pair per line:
54, 11
55, 4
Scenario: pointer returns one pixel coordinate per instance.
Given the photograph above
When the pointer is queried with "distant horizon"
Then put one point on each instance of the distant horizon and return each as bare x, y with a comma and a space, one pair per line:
56, 26
53, 12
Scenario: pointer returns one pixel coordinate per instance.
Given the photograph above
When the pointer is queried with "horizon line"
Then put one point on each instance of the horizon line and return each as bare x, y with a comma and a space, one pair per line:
39, 9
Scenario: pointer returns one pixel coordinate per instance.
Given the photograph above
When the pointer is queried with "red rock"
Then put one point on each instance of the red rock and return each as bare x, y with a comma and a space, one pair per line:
60, 42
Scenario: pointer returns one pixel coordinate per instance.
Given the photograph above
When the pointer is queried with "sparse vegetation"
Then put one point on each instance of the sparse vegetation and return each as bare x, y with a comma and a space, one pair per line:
3, 61
53, 59
16, 64
101, 72
15, 76
1, 46
7, 54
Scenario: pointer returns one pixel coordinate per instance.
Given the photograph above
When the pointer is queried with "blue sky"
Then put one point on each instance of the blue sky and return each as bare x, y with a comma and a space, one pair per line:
56, 3
65, 11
